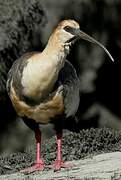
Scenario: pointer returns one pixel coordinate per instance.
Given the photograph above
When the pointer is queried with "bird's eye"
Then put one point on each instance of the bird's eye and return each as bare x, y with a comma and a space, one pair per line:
68, 28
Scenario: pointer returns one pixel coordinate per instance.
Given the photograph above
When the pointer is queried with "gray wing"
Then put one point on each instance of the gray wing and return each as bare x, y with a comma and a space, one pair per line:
71, 88
15, 73
10, 75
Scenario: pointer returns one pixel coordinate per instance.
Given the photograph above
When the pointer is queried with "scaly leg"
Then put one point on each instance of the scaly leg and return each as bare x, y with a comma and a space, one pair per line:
58, 164
39, 164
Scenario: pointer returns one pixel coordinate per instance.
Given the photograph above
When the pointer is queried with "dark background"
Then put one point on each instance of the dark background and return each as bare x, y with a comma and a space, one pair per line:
26, 25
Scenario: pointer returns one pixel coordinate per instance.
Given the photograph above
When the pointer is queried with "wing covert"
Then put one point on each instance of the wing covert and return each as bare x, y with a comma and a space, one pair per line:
71, 89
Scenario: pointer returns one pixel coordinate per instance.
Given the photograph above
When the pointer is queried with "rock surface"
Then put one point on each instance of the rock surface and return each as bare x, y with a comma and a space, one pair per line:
104, 166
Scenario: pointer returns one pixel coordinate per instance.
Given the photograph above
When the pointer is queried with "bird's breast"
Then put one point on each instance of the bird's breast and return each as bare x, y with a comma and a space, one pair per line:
39, 78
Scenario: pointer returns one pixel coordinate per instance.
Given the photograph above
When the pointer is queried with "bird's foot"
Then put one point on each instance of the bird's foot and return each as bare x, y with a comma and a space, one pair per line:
39, 166
58, 164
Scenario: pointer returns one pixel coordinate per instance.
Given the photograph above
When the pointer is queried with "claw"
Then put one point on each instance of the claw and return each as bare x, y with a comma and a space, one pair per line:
36, 167
57, 165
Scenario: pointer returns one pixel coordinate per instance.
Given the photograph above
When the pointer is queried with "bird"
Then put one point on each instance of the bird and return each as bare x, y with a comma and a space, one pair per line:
44, 87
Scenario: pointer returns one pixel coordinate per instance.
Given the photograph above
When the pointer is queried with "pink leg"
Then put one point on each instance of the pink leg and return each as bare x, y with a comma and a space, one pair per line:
39, 164
58, 164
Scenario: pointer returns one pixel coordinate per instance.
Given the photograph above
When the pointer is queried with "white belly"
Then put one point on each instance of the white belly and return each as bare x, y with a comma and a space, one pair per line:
38, 78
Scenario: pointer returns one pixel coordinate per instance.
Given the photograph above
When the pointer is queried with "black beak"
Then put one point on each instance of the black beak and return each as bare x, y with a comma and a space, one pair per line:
82, 35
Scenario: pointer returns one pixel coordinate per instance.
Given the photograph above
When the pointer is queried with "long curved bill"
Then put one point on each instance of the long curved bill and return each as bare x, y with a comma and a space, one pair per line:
86, 37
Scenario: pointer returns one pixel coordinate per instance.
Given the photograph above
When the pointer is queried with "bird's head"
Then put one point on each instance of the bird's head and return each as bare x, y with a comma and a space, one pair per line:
65, 31
63, 34
68, 31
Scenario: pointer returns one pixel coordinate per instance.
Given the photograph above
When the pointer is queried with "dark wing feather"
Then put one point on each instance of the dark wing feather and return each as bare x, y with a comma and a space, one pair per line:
16, 71
69, 79
10, 75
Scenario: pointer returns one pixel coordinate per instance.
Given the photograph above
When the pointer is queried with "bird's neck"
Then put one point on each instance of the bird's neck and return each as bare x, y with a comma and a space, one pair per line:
57, 51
